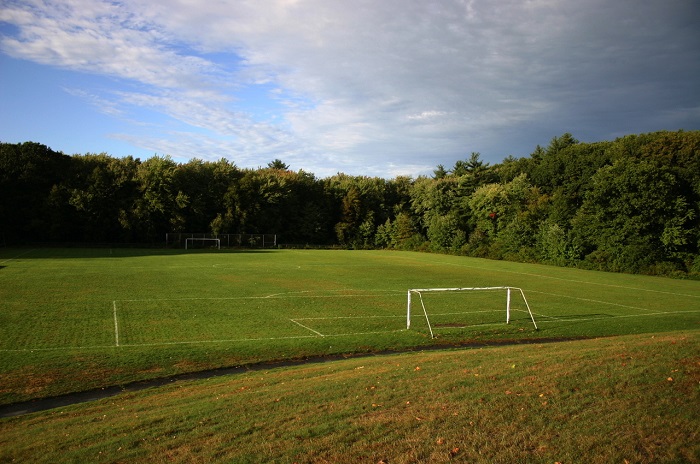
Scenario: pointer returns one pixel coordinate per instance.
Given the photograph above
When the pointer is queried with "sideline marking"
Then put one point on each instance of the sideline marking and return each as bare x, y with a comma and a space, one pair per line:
116, 324
285, 295
559, 278
590, 300
554, 319
190, 342
19, 255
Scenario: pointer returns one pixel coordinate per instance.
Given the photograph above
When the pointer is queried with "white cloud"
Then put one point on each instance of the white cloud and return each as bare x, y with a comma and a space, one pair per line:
426, 115
372, 86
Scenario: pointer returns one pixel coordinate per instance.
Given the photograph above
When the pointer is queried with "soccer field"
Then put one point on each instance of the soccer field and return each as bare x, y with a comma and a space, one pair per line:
53, 299
131, 312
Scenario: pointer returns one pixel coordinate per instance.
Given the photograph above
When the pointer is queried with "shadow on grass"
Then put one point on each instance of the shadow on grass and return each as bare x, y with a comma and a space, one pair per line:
118, 251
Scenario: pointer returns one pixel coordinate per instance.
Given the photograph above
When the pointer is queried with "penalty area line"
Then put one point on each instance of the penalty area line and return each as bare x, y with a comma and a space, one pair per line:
307, 328
624, 316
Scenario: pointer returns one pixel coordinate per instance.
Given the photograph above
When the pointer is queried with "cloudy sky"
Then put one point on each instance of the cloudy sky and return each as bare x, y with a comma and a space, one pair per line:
365, 87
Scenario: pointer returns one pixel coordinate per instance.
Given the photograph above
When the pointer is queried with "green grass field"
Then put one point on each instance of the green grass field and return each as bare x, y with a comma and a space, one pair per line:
76, 319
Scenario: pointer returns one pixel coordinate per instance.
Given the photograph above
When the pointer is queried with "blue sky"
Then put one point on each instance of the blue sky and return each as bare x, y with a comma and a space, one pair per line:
365, 87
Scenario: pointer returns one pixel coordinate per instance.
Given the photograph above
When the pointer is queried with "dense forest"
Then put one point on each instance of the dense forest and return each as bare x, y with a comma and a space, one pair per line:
628, 205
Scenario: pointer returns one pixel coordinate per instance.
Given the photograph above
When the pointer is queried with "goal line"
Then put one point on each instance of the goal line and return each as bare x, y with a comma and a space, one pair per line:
509, 291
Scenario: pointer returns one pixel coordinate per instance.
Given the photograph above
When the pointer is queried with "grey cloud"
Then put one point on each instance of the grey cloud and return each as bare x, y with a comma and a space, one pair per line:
379, 87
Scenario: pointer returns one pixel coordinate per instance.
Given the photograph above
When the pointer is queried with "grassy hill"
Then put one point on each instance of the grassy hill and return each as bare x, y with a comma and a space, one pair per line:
632, 398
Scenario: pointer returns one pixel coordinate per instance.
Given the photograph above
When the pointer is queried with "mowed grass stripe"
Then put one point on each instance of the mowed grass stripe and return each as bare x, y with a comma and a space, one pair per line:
150, 322
54, 325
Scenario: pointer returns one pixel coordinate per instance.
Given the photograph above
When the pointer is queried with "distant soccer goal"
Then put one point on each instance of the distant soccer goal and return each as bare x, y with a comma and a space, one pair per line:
458, 308
190, 241
179, 239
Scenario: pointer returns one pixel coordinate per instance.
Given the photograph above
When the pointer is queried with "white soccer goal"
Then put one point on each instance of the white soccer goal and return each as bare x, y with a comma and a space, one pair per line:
189, 241
176, 239
460, 313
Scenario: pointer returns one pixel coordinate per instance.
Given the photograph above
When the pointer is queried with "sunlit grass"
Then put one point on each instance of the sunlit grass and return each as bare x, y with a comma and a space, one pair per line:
75, 319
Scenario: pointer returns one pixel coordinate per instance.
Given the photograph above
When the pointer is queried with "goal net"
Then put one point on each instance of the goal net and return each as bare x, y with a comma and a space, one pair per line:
459, 308
179, 239
196, 242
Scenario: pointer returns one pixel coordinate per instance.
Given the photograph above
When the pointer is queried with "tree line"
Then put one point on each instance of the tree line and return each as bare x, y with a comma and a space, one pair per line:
628, 205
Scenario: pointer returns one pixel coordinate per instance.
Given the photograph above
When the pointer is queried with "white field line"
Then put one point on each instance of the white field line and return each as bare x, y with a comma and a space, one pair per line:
307, 328
553, 319
285, 295
18, 256
237, 340
350, 334
56, 348
192, 342
116, 324
470, 312
264, 297
437, 327
568, 280
233, 340
591, 300
403, 316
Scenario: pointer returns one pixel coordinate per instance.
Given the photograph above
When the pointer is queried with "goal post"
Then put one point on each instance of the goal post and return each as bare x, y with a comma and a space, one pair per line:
179, 239
418, 293
189, 241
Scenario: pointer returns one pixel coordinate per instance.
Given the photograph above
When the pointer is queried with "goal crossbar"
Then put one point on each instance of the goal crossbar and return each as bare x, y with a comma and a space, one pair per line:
420, 291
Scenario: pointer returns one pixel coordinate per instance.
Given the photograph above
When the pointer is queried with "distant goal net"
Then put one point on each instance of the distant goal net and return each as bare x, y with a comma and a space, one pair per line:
439, 309
207, 240
197, 242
